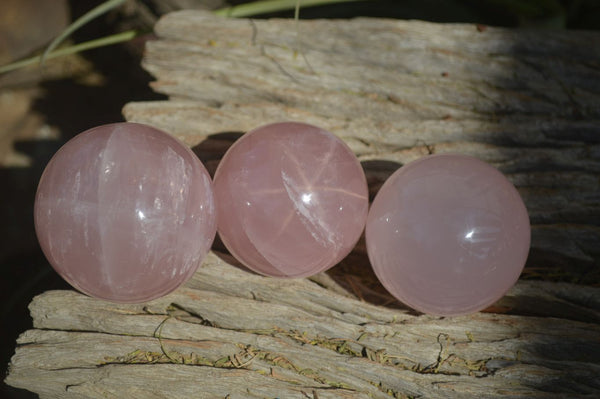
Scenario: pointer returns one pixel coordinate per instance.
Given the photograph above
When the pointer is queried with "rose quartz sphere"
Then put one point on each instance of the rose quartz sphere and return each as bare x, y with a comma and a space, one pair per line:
292, 199
125, 212
448, 235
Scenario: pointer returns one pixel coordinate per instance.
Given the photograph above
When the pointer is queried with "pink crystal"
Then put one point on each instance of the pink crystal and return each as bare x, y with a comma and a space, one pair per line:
125, 212
292, 199
448, 235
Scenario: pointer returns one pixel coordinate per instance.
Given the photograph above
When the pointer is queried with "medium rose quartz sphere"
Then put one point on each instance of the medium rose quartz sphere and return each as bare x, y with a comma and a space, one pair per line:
292, 199
448, 235
125, 212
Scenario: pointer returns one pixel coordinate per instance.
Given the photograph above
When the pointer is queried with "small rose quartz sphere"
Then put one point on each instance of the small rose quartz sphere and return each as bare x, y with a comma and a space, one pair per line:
448, 235
125, 212
292, 199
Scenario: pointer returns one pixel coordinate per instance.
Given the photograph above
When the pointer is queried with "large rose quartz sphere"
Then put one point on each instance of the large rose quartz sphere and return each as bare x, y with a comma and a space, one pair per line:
292, 199
448, 235
125, 212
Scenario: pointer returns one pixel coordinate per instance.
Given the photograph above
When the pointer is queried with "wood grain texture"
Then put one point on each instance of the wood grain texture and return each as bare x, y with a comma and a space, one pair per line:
524, 101
230, 333
528, 102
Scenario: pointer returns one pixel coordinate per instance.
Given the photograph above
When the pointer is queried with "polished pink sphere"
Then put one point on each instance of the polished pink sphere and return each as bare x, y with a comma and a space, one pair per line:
448, 235
292, 199
125, 212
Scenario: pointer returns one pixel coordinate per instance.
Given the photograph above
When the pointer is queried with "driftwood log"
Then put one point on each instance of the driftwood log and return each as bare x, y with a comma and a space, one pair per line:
527, 102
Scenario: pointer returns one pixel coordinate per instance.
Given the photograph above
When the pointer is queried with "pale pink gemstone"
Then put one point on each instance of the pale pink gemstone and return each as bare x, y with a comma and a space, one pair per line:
125, 212
448, 235
292, 199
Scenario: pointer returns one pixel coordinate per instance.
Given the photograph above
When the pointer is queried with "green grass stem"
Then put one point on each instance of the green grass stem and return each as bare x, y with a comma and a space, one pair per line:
105, 41
84, 19
268, 6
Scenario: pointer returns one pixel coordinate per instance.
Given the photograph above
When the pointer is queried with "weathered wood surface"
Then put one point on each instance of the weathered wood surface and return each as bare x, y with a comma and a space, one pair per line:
525, 101
528, 102
230, 333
